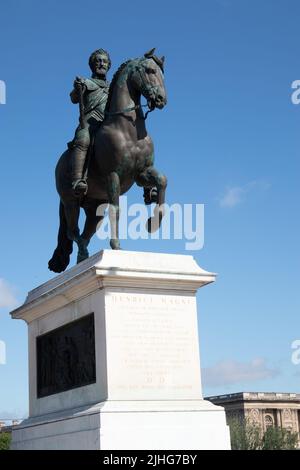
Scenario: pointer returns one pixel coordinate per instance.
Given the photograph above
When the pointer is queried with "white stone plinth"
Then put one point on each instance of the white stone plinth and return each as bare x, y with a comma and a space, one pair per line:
147, 393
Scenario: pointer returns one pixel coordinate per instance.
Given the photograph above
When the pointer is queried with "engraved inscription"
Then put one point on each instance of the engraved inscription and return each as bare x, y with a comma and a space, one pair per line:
66, 357
155, 343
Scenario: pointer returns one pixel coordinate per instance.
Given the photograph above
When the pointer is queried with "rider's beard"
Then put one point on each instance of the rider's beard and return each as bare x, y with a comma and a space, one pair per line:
101, 71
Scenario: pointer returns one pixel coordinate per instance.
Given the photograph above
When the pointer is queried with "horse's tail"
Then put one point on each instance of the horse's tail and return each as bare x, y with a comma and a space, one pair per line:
61, 255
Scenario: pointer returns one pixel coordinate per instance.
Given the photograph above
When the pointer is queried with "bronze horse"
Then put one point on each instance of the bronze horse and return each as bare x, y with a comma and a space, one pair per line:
122, 155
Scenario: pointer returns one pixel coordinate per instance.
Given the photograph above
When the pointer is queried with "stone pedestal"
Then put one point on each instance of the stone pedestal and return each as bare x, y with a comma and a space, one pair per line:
114, 357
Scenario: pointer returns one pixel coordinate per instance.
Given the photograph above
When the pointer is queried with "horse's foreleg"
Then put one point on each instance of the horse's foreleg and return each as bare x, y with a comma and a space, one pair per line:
150, 178
113, 193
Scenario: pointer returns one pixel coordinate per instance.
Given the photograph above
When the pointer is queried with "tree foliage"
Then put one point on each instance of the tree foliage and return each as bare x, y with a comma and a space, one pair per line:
244, 435
247, 435
5, 438
276, 438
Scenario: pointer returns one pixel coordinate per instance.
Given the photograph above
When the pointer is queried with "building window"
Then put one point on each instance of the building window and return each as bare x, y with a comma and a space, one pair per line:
269, 421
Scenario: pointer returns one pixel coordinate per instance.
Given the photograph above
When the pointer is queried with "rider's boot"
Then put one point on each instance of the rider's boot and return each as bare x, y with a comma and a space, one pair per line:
79, 183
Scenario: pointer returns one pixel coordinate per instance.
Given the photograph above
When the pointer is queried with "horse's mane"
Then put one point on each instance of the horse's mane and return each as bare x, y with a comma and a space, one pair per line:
113, 82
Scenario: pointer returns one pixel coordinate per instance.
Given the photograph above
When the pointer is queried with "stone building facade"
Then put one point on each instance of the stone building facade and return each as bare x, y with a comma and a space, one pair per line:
265, 409
7, 425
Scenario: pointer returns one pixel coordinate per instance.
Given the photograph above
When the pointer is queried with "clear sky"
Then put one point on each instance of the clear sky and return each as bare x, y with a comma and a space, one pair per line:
228, 138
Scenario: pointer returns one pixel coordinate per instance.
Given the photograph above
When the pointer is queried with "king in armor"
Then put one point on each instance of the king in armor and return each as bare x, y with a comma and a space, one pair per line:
91, 94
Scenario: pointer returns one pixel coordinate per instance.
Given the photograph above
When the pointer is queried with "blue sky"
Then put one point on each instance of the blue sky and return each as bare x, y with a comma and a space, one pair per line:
228, 138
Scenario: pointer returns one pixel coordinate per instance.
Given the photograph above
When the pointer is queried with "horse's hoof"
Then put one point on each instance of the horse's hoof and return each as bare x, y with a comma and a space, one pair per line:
82, 256
115, 244
153, 223
59, 262
150, 196
55, 267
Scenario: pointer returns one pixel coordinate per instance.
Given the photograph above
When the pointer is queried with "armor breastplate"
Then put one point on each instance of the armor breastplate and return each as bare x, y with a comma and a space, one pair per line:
95, 98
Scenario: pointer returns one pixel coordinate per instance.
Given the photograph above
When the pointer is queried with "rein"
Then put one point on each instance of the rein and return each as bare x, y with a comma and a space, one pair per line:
131, 108
144, 89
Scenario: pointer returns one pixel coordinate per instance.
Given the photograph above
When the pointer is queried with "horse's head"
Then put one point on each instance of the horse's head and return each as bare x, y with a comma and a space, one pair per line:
148, 79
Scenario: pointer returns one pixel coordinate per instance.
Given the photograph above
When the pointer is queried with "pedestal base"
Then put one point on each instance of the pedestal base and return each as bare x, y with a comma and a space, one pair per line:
114, 358
128, 426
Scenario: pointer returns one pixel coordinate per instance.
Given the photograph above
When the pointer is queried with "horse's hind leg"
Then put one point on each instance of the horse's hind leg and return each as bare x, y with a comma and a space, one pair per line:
61, 256
113, 193
72, 210
150, 178
94, 211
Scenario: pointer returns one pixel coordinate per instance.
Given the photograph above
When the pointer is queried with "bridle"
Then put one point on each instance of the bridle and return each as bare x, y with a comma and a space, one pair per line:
146, 90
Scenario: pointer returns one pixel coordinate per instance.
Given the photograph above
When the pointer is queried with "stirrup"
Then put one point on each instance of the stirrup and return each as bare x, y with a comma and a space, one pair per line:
80, 187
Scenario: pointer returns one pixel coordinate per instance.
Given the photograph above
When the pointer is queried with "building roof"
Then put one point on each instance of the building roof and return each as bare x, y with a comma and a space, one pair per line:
255, 396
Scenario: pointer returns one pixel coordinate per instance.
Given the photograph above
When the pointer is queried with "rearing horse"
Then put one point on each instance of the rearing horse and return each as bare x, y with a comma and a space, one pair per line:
122, 155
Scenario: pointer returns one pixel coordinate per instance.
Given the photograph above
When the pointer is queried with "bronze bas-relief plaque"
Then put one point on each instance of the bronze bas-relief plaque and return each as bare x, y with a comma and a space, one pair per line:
66, 357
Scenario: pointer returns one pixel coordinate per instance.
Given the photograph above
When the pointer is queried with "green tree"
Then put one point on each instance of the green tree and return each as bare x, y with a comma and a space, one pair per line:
244, 435
5, 438
247, 435
276, 438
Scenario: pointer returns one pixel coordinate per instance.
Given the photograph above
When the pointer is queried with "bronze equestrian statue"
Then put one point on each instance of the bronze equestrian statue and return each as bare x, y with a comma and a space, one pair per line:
122, 155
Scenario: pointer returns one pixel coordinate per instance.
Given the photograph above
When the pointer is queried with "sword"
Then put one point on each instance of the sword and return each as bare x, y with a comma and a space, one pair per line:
81, 106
